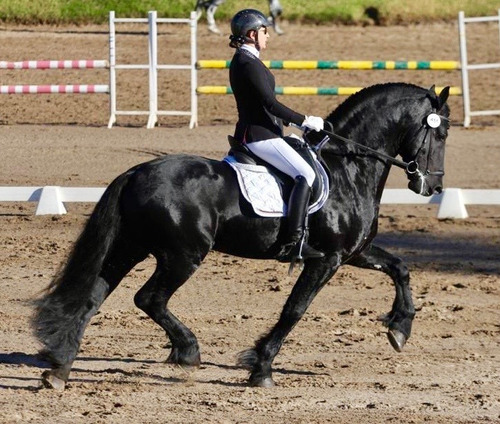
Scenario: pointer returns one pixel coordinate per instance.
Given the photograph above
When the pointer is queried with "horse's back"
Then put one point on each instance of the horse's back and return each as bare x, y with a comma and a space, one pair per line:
175, 177
176, 192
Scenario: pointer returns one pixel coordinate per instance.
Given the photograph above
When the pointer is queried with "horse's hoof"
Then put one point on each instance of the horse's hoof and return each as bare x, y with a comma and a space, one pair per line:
214, 29
397, 339
265, 383
187, 369
50, 381
278, 30
188, 360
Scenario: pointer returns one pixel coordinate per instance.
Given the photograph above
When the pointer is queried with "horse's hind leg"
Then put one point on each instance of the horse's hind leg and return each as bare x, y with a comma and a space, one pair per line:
120, 261
170, 274
399, 319
211, 9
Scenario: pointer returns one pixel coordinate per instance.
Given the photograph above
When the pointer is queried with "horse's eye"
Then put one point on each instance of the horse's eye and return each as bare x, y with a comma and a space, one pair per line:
439, 136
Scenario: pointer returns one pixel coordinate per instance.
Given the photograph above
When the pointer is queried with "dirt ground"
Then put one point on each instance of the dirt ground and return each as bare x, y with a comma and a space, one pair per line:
337, 365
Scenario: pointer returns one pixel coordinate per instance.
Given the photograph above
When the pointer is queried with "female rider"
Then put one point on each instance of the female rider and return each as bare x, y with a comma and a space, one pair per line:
260, 122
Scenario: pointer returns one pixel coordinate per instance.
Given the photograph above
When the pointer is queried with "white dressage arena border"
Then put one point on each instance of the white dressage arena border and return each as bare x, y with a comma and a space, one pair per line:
451, 202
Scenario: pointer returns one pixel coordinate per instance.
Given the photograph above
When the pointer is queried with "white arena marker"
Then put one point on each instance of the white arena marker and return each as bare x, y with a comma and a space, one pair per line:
50, 202
452, 204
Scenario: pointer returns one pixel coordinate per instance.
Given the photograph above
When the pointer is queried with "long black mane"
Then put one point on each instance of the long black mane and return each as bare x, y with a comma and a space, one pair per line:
378, 95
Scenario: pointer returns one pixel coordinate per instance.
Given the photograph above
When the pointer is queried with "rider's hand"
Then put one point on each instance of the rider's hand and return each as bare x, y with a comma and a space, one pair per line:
313, 123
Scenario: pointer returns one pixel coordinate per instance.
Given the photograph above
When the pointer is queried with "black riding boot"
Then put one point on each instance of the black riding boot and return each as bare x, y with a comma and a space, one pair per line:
297, 210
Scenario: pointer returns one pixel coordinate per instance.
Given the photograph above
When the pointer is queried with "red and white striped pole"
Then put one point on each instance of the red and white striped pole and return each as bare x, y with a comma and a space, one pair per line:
55, 64
54, 89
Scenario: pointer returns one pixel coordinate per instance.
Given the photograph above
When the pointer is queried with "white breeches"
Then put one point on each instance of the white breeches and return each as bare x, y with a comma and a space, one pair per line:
281, 155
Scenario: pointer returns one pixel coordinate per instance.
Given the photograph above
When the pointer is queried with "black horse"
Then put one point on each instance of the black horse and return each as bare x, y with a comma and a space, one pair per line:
179, 207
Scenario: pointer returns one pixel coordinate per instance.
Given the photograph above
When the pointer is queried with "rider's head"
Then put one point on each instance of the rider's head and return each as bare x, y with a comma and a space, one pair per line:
243, 22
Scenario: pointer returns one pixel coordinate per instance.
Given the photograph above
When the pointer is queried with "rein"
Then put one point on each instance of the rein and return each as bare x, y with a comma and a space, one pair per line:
433, 121
407, 166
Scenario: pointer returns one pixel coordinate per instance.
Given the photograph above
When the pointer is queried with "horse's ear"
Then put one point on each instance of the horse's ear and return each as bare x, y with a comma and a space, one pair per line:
443, 96
433, 97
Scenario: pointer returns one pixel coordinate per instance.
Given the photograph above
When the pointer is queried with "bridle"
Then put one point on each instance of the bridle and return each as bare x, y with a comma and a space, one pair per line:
432, 122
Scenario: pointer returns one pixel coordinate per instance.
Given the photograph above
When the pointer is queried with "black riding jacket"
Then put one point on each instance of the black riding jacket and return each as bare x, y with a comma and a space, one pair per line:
260, 114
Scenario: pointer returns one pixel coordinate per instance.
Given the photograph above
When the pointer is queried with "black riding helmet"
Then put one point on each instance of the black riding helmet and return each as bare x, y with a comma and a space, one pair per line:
246, 20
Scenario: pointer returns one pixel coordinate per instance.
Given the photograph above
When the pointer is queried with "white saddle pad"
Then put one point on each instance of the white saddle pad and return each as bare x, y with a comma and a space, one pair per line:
261, 189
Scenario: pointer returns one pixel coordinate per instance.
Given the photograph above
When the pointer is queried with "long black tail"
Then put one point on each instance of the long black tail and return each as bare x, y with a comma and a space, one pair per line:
76, 292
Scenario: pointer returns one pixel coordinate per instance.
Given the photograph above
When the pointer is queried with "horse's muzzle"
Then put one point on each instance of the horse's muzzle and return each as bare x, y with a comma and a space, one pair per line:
426, 186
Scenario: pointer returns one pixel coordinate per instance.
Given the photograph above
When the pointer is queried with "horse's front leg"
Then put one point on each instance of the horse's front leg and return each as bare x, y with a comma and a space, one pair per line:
259, 360
399, 319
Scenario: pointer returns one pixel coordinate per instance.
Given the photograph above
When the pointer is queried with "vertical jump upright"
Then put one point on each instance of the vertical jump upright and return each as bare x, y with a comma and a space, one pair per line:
466, 67
152, 66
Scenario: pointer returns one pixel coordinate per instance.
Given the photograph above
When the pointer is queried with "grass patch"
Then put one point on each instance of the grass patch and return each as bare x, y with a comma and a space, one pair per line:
382, 12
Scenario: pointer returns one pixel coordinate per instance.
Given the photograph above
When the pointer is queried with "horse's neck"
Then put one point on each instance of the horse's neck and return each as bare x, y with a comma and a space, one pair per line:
371, 118
370, 169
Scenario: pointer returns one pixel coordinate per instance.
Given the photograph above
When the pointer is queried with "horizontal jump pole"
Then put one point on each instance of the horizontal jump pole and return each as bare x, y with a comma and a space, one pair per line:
317, 91
436, 65
54, 89
55, 64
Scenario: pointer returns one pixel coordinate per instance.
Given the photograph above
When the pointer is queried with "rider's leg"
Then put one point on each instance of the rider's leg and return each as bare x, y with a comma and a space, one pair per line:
297, 210
281, 155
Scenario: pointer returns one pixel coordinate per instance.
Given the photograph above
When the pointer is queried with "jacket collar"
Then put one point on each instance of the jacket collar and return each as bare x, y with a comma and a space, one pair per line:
251, 49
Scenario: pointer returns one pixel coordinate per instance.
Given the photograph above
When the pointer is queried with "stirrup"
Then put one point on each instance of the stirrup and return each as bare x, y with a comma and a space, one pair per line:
297, 253
293, 254
296, 261
304, 252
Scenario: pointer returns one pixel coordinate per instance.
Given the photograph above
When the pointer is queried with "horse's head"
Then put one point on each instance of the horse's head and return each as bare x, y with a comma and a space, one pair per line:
423, 147
386, 120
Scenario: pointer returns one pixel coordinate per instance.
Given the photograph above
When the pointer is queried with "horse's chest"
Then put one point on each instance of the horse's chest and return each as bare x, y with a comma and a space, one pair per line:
349, 227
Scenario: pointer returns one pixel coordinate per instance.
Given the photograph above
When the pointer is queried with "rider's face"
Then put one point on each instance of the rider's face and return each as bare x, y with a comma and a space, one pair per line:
261, 37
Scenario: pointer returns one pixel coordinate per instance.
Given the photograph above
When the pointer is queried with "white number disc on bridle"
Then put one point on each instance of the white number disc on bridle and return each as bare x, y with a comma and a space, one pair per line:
433, 120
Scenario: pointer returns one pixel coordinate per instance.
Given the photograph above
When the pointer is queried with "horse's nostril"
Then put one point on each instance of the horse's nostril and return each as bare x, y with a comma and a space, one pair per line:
438, 190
